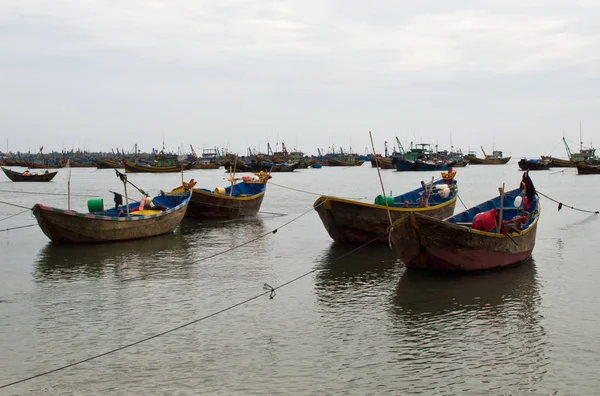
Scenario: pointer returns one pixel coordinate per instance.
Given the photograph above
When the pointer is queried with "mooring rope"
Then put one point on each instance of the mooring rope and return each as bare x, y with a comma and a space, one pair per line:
261, 236
15, 205
561, 205
45, 193
306, 192
461, 201
269, 290
16, 228
16, 214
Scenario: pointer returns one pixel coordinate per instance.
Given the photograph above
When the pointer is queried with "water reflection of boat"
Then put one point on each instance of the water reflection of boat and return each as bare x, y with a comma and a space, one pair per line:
127, 259
422, 293
489, 324
343, 267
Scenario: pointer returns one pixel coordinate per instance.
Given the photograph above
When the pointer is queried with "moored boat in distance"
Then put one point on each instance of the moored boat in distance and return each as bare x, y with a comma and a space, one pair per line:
534, 164
237, 200
141, 167
587, 169
106, 163
349, 221
472, 240
558, 162
496, 158
28, 176
156, 216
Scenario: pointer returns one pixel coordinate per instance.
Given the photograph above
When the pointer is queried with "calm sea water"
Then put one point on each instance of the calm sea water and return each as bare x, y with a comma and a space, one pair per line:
356, 325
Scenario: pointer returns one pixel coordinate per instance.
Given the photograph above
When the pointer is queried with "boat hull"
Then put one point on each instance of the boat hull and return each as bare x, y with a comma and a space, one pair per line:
383, 162
109, 164
338, 162
486, 161
211, 165
132, 167
423, 242
403, 165
349, 221
526, 165
18, 177
586, 169
69, 226
558, 162
210, 205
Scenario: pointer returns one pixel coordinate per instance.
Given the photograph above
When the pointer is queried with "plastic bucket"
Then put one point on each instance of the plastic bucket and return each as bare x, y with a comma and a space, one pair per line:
379, 200
95, 205
220, 190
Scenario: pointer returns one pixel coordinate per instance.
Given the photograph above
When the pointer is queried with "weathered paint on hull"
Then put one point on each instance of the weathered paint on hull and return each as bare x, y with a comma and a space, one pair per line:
61, 227
357, 222
433, 244
212, 206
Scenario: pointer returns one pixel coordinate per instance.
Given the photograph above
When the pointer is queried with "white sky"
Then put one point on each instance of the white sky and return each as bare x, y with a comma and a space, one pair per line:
104, 74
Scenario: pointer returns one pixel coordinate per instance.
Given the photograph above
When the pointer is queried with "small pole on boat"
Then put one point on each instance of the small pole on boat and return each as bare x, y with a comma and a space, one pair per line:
499, 225
232, 175
126, 196
69, 185
380, 180
123, 178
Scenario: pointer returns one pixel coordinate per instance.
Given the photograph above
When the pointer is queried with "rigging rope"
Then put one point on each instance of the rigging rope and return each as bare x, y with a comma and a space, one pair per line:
269, 290
560, 204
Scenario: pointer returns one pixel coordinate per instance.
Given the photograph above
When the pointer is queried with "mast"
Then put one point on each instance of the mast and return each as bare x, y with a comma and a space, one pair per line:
580, 138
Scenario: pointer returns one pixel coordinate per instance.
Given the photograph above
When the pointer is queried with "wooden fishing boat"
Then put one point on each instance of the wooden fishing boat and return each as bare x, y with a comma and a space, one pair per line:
165, 213
349, 161
138, 167
534, 164
32, 177
558, 162
587, 169
205, 165
403, 165
453, 244
108, 164
78, 164
242, 199
382, 162
349, 221
495, 158
37, 165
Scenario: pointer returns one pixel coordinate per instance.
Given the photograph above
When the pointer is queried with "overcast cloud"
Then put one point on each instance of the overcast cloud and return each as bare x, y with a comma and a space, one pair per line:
105, 74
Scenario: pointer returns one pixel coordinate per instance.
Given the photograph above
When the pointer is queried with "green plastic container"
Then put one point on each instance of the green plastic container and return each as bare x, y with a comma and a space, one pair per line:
95, 205
379, 200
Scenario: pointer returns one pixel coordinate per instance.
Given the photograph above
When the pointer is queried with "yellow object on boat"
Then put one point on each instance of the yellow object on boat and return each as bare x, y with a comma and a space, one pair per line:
145, 212
220, 190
